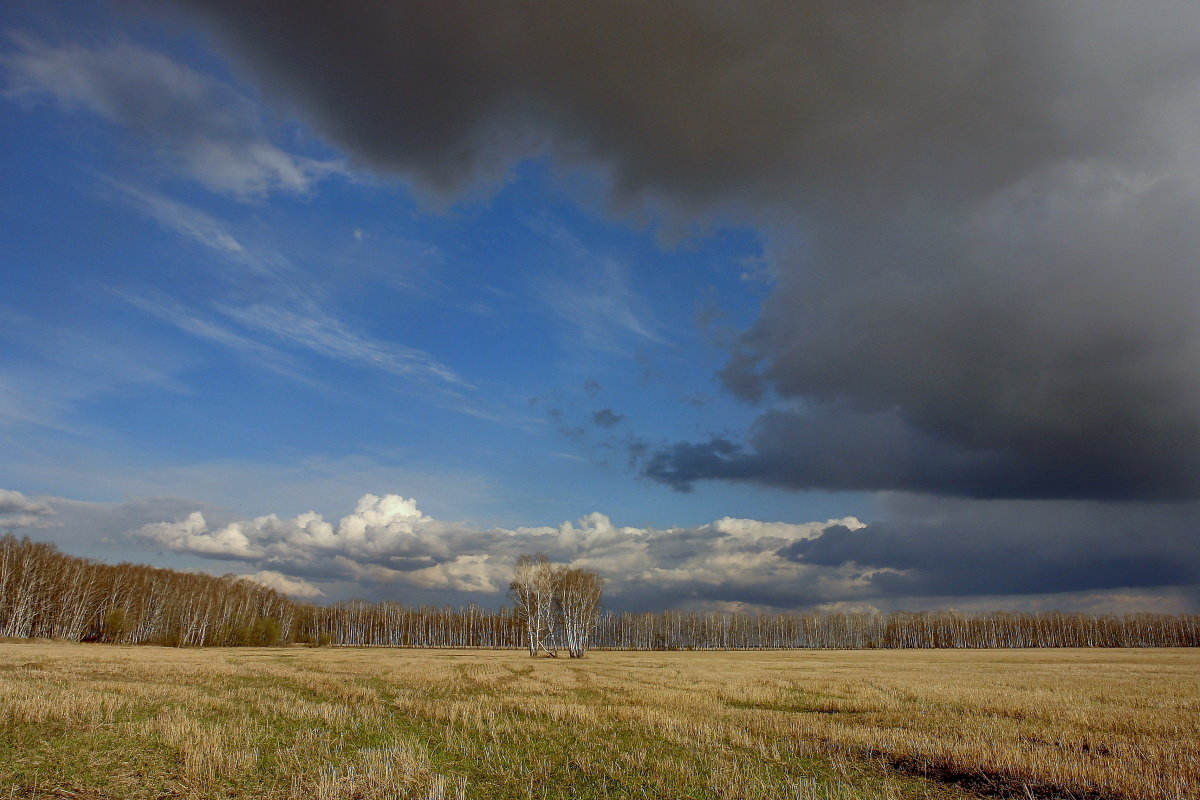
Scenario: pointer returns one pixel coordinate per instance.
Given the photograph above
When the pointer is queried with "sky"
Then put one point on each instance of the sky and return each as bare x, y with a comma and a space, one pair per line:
762, 306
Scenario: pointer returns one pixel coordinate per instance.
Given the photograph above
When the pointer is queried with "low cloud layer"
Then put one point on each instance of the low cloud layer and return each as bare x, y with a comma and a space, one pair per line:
963, 548
979, 215
922, 552
929, 552
388, 540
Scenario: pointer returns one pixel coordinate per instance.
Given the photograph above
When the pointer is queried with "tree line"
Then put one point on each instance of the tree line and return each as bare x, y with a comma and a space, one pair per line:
45, 593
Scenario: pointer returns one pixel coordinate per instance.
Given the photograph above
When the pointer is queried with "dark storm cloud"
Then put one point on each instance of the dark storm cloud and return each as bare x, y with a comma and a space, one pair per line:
1042, 344
962, 548
980, 215
843, 450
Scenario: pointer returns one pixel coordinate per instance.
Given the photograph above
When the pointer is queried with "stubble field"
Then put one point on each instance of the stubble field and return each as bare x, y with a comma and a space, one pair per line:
98, 721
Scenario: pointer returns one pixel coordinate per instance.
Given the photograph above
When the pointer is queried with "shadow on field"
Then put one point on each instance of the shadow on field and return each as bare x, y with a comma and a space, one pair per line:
983, 783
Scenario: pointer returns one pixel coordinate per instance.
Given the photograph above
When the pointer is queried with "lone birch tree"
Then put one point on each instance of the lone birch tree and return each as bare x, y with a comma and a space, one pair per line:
556, 604
578, 607
534, 589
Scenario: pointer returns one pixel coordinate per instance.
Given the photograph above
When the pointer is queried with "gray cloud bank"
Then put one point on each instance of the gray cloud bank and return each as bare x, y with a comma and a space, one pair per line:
981, 216
933, 552
925, 552
963, 548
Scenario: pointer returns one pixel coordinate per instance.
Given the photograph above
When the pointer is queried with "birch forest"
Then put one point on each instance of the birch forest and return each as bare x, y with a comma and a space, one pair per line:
45, 593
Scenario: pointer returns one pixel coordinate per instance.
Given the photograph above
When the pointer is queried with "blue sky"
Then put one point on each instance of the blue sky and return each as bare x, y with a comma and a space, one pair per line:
218, 298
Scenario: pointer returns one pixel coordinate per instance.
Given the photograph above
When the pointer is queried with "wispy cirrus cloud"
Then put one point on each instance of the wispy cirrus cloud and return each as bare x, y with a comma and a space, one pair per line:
199, 126
308, 326
52, 368
188, 222
593, 297
601, 309
272, 308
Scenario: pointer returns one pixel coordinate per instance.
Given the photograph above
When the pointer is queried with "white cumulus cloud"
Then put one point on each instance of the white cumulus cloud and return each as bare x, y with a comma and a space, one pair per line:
296, 587
388, 540
18, 511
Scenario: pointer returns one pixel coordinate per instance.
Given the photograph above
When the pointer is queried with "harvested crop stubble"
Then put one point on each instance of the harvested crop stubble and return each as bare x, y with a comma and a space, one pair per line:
103, 721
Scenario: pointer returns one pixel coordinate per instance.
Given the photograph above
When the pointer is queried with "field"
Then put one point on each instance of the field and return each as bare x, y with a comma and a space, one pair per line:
100, 721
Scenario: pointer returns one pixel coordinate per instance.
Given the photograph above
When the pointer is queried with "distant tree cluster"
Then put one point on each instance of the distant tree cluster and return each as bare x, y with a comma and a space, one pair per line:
558, 605
47, 594
357, 623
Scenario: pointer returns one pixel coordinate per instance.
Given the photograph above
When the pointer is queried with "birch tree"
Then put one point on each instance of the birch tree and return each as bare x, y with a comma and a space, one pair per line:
578, 607
534, 590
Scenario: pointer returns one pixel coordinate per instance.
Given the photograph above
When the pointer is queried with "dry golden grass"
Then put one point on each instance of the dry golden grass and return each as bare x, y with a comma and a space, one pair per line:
95, 721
